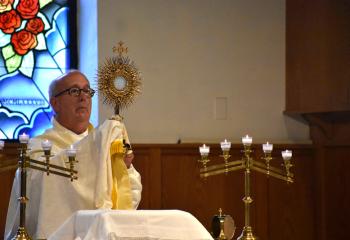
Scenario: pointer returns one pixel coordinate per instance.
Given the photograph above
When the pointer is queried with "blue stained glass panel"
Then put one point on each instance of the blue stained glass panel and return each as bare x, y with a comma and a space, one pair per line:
24, 101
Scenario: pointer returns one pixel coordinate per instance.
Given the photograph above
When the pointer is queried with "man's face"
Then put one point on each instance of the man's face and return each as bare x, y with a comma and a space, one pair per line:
71, 110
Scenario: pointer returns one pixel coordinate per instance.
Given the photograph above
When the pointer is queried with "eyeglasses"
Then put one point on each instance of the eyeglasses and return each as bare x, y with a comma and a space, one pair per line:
75, 92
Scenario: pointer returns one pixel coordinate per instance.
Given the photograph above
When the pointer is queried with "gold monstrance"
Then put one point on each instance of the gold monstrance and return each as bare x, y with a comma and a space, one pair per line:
119, 80
248, 164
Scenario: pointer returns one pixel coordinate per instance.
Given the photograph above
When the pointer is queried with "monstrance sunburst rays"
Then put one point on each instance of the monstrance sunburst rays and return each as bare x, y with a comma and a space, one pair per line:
119, 80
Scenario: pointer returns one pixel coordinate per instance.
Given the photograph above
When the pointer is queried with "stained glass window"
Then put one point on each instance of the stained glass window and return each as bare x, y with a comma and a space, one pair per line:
36, 46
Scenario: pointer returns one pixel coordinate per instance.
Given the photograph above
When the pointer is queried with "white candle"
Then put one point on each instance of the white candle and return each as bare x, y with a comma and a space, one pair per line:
225, 145
2, 144
23, 138
286, 155
204, 150
71, 151
247, 141
267, 147
46, 145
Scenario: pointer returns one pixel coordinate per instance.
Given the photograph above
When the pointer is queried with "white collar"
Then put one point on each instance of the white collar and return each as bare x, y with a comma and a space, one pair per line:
59, 127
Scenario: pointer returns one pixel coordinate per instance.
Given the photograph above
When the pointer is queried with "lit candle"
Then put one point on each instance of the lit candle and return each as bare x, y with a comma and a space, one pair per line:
225, 145
71, 151
247, 141
46, 145
23, 138
267, 147
204, 150
2, 144
286, 155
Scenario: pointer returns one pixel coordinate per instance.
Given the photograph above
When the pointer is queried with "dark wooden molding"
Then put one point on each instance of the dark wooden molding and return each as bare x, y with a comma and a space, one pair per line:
329, 128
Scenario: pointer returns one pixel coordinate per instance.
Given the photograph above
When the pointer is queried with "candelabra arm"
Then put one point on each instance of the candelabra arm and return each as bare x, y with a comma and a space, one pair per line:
221, 165
217, 172
271, 168
31, 152
273, 174
51, 166
260, 164
53, 172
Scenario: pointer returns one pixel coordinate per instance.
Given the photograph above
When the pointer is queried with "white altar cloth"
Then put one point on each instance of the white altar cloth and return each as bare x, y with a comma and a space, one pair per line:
131, 225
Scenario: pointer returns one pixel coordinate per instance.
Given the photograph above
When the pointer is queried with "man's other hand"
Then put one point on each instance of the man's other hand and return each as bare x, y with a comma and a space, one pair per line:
128, 159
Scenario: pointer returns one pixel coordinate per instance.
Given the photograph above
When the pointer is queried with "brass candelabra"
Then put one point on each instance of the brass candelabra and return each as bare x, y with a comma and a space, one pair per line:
25, 162
248, 164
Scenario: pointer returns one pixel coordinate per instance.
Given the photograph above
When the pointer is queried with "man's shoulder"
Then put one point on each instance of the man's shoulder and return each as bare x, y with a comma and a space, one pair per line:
47, 132
41, 137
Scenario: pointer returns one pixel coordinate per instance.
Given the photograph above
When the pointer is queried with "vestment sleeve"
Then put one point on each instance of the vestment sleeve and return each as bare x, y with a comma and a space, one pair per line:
136, 186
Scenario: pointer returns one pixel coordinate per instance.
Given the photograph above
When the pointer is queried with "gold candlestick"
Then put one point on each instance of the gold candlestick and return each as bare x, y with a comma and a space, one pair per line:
204, 151
247, 233
26, 162
21, 231
248, 164
226, 155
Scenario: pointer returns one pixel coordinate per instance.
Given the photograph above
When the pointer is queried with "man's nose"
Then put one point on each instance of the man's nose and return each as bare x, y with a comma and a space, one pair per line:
83, 97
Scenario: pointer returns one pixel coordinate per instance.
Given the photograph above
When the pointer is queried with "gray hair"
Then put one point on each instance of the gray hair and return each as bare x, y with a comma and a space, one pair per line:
55, 83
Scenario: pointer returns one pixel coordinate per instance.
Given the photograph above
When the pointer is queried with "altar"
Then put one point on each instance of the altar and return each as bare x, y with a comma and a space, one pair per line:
131, 225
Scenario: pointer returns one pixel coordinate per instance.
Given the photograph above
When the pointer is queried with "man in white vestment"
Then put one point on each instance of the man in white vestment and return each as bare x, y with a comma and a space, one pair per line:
106, 176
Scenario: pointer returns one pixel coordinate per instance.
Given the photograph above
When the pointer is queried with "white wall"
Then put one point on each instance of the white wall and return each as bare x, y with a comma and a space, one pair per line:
211, 69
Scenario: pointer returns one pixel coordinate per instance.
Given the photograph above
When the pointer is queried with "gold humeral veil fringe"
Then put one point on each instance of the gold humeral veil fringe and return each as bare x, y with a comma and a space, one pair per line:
121, 194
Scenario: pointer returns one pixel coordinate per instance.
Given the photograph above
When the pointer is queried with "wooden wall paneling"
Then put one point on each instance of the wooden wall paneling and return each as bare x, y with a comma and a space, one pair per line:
6, 180
318, 88
306, 56
330, 133
292, 206
148, 163
337, 187
8, 165
339, 53
170, 177
234, 183
259, 192
320, 193
317, 56
184, 189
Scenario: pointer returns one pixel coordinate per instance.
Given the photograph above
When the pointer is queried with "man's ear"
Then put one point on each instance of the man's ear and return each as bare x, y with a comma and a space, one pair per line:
54, 104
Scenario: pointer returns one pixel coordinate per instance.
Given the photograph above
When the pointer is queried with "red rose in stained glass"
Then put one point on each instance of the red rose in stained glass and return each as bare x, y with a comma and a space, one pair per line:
9, 21
28, 8
35, 25
5, 5
23, 41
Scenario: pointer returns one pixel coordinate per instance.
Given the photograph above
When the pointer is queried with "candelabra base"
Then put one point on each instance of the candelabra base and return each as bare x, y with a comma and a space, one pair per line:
22, 234
247, 234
